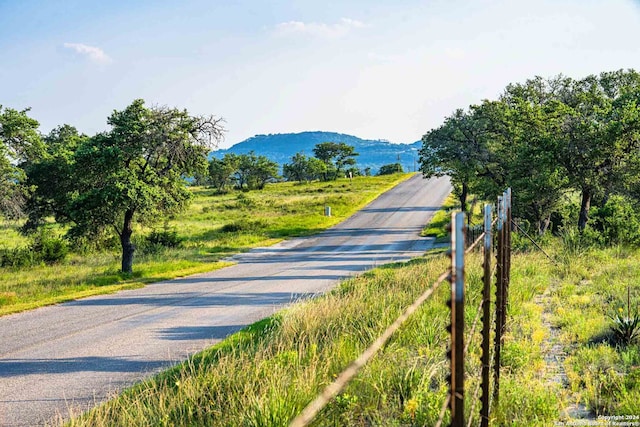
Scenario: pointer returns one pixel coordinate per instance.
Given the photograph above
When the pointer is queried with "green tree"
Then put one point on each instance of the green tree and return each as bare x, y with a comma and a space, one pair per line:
20, 144
459, 149
543, 138
221, 171
136, 170
254, 171
523, 148
303, 168
264, 171
336, 156
390, 169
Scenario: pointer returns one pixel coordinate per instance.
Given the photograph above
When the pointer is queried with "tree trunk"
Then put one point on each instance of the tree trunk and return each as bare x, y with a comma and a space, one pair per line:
544, 225
585, 204
128, 248
463, 197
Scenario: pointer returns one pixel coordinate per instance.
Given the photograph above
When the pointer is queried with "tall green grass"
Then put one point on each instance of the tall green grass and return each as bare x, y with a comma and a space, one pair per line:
265, 375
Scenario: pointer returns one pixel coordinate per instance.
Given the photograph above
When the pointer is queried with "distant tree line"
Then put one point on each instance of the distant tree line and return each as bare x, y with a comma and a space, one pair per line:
547, 139
331, 160
252, 172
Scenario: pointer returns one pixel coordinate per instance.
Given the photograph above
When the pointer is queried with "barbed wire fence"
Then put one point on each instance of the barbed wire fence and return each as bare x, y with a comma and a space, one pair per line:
487, 390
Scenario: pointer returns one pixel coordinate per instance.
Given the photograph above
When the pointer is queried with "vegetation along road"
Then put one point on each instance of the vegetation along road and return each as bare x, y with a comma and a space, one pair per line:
68, 357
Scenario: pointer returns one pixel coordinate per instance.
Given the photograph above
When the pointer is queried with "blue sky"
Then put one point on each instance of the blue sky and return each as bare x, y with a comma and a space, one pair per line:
375, 69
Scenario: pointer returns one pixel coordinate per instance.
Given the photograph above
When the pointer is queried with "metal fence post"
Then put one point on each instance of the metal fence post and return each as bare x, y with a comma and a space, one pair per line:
456, 404
507, 256
486, 319
499, 300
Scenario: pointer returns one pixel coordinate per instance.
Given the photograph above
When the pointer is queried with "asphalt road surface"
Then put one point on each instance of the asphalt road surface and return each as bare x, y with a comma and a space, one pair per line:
74, 355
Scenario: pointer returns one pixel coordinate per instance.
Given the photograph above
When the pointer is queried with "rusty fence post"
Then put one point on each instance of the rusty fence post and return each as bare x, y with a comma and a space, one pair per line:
499, 300
507, 256
456, 403
486, 319
505, 238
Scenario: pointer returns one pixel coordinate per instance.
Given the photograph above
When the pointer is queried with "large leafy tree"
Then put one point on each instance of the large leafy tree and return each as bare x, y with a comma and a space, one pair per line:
523, 129
391, 168
336, 156
254, 171
458, 149
20, 144
303, 168
221, 171
135, 171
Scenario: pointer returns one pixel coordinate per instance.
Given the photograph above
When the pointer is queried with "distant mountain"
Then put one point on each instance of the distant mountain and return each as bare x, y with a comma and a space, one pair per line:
282, 146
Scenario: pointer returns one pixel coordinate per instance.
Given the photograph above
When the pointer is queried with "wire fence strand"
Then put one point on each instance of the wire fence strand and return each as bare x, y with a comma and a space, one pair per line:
332, 390
534, 242
473, 405
443, 411
475, 243
473, 326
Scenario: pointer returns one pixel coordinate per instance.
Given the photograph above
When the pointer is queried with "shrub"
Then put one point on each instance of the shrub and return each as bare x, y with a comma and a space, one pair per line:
576, 243
98, 241
390, 169
45, 247
17, 257
49, 248
244, 225
618, 221
244, 202
165, 238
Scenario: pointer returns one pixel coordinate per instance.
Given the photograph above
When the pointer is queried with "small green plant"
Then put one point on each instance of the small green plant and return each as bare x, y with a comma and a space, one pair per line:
625, 329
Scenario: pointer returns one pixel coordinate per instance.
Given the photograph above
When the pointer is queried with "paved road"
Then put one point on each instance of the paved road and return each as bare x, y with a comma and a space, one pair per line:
76, 354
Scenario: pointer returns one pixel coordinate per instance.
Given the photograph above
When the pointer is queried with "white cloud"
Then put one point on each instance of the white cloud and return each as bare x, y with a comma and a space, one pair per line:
95, 54
318, 29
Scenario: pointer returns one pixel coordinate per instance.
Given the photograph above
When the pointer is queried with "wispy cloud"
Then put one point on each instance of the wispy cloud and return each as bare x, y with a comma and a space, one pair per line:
95, 54
319, 29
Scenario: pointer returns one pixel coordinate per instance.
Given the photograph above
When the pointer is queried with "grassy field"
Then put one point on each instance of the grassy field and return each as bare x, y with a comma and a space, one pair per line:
213, 227
266, 374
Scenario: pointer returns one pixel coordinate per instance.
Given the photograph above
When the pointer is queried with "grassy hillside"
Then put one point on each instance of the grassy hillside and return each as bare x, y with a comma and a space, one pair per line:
213, 227
264, 375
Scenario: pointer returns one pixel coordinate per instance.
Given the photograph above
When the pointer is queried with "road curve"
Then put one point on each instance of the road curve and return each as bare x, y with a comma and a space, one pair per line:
76, 354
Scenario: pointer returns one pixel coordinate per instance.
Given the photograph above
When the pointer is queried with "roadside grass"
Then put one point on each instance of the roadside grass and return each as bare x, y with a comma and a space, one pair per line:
266, 374
437, 227
214, 227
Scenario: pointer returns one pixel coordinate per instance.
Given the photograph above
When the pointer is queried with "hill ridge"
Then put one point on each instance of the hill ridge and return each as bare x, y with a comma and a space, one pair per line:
373, 153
